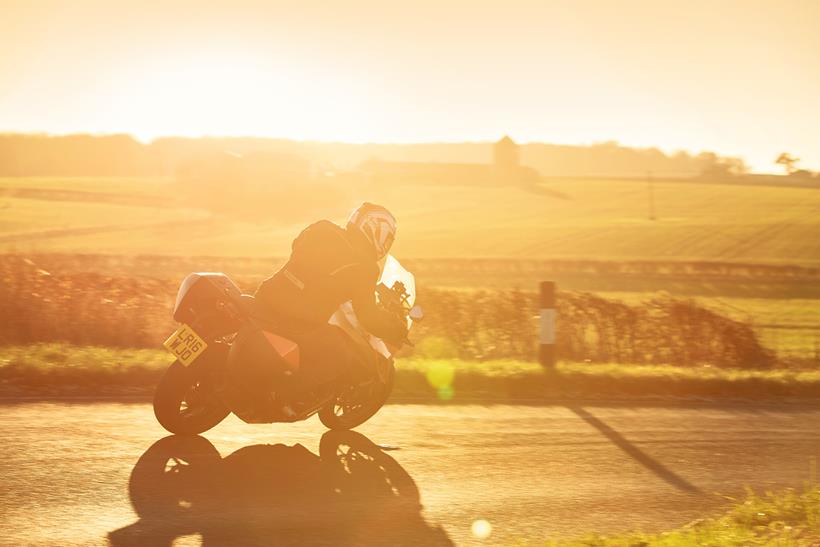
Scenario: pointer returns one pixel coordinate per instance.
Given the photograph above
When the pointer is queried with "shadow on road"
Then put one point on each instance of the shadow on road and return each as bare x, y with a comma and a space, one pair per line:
352, 493
636, 453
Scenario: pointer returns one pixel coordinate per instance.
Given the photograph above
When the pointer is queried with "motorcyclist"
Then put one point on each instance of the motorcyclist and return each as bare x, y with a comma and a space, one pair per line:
330, 265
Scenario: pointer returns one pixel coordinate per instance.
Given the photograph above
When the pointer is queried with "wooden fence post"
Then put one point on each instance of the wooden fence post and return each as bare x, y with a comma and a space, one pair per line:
546, 354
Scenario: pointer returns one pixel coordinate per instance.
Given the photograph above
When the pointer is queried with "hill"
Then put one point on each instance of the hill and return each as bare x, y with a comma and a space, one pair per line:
570, 219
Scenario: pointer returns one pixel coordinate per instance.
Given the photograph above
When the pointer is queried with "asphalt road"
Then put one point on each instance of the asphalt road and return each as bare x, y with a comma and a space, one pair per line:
86, 474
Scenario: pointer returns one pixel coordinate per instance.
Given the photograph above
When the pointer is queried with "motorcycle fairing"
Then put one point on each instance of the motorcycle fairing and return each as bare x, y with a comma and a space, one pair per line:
345, 316
287, 349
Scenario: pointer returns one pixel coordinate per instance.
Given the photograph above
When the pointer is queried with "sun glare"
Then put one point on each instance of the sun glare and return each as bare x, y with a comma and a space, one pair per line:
235, 95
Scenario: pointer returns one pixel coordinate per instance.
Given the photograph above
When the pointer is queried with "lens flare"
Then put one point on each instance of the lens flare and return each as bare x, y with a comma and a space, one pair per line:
481, 529
440, 375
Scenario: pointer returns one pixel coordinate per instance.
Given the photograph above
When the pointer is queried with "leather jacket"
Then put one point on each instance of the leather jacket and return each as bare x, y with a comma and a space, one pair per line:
328, 266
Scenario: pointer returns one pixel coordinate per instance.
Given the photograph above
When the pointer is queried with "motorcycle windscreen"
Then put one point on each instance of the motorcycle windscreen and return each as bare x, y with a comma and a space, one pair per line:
393, 271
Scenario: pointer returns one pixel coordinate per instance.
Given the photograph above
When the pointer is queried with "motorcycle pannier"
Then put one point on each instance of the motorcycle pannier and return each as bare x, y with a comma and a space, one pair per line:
211, 303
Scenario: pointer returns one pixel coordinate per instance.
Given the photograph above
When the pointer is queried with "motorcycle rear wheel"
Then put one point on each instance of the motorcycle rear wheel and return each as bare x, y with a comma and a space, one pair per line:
358, 404
183, 405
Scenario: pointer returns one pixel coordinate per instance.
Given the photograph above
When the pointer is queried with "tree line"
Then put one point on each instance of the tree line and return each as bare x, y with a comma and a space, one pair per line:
122, 155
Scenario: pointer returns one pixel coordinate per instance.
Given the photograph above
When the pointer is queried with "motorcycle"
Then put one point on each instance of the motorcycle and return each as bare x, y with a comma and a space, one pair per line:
195, 393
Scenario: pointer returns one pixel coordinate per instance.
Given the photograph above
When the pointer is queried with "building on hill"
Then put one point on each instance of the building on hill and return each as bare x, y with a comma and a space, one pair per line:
505, 154
505, 169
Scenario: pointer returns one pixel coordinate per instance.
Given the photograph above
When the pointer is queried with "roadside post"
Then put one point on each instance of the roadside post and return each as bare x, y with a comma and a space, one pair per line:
546, 354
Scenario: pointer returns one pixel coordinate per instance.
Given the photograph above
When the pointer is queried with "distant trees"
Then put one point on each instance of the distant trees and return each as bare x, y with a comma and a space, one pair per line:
788, 162
612, 159
121, 155
717, 166
74, 155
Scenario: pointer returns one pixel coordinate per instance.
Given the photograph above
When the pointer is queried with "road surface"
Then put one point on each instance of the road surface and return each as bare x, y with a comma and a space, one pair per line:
463, 475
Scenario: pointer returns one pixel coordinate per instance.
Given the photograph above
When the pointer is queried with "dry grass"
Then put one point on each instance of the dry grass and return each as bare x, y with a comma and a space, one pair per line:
786, 519
499, 324
91, 309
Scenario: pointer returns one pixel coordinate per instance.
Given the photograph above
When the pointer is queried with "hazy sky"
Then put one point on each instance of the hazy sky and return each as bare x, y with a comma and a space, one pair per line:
741, 77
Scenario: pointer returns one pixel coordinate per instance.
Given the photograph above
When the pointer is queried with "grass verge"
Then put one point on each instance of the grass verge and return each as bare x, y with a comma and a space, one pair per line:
787, 518
515, 380
46, 370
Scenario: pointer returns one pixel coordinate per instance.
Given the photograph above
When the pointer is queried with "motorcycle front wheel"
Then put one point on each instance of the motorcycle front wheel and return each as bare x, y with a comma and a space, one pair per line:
358, 403
184, 404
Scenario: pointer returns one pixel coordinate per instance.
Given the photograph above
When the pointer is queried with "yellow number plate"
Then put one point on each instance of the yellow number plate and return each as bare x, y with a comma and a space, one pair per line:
185, 344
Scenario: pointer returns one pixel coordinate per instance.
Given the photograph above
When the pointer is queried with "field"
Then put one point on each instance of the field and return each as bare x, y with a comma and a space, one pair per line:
574, 219
749, 252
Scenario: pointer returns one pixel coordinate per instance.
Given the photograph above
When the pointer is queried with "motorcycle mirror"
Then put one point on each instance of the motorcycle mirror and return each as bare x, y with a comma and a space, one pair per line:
416, 313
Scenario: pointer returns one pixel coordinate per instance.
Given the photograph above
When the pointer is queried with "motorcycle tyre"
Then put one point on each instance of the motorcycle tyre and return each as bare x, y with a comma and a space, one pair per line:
329, 419
169, 395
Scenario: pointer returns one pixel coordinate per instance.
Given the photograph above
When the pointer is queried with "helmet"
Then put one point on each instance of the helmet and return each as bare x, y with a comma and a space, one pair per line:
377, 225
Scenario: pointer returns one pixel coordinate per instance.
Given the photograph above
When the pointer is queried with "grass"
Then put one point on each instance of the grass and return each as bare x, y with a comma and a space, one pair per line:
23, 216
607, 220
511, 273
787, 518
60, 369
604, 219
36, 222
791, 327
765, 312
517, 380
600, 219
121, 186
